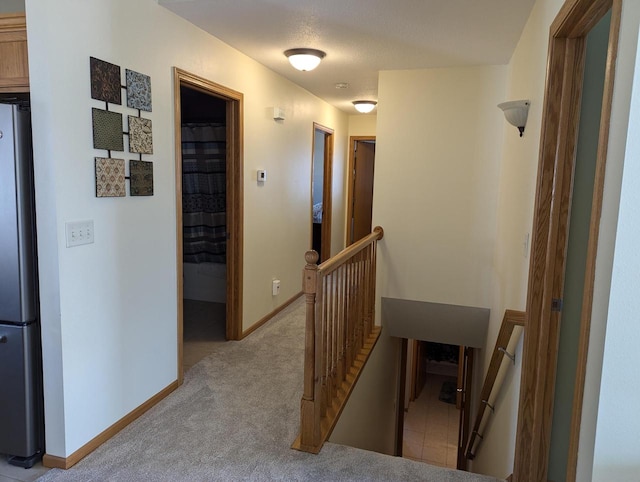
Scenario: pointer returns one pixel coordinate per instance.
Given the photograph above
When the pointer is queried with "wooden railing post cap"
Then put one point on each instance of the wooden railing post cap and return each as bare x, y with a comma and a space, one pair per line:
380, 231
311, 257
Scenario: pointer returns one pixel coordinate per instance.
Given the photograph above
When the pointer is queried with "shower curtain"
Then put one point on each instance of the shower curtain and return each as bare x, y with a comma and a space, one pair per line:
204, 192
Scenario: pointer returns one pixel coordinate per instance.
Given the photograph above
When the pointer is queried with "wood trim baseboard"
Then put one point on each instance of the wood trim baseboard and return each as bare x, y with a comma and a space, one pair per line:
55, 462
268, 317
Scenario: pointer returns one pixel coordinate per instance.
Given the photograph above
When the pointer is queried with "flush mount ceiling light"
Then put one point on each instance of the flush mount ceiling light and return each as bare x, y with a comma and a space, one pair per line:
364, 106
304, 59
516, 113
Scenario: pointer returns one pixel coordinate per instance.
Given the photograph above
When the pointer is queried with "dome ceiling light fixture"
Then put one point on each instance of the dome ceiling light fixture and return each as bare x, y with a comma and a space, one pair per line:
304, 59
364, 106
516, 113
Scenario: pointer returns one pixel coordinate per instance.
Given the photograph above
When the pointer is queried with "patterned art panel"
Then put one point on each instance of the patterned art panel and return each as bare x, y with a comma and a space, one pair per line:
107, 130
141, 176
138, 90
105, 81
109, 177
140, 136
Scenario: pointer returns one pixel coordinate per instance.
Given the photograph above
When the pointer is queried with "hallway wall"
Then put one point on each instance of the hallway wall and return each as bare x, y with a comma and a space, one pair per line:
517, 185
109, 309
438, 152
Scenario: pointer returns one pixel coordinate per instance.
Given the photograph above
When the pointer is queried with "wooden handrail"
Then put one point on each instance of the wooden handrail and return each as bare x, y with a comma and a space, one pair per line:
339, 334
490, 390
344, 255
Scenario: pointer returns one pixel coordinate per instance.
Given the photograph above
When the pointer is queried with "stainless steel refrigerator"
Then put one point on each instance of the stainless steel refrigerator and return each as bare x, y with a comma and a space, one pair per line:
21, 413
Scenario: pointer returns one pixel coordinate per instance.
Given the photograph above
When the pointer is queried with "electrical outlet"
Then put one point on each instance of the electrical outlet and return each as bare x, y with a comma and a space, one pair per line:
79, 232
275, 287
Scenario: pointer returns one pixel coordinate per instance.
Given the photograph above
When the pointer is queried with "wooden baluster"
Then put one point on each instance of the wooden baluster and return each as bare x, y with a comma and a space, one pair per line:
329, 321
372, 284
309, 410
335, 348
363, 297
320, 303
347, 314
340, 326
367, 297
360, 300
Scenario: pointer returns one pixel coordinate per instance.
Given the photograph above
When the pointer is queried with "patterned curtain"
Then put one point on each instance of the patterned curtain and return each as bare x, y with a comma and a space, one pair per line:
204, 193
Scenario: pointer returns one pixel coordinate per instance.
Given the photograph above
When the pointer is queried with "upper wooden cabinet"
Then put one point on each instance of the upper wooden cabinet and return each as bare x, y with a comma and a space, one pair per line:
14, 67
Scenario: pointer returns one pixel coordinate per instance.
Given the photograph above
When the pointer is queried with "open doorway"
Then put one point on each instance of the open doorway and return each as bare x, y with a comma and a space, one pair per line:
362, 151
204, 255
435, 421
321, 190
209, 216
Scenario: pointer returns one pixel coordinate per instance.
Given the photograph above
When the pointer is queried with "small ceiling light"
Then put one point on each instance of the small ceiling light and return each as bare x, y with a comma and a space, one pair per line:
364, 106
516, 113
304, 59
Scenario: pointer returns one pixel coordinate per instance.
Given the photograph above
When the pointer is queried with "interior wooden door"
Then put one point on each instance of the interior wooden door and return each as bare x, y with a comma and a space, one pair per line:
361, 206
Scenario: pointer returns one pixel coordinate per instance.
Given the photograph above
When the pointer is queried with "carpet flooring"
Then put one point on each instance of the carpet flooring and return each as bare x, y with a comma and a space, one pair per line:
234, 418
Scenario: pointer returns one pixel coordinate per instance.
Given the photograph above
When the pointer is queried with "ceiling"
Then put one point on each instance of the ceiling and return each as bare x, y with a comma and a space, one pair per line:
362, 37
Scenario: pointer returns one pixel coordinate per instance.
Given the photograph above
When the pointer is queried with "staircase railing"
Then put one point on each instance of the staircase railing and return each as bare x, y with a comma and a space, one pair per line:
340, 334
510, 329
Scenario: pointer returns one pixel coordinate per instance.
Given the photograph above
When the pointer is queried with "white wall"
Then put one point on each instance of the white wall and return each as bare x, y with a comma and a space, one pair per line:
362, 125
518, 173
616, 302
109, 309
436, 182
368, 420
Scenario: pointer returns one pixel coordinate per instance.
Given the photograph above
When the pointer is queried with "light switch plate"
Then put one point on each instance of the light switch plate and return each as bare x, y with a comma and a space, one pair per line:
79, 232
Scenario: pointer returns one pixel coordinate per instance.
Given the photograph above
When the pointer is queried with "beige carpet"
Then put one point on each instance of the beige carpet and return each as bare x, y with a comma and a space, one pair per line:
234, 418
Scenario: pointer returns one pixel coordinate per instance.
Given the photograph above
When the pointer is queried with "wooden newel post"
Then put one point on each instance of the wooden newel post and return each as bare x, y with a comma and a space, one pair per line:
309, 415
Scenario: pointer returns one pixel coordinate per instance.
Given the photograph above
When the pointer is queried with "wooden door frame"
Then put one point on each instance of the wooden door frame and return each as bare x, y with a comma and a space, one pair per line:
327, 190
560, 123
234, 217
350, 173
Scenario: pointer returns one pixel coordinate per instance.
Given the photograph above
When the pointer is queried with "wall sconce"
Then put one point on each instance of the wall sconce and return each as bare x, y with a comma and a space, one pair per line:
304, 59
516, 112
364, 106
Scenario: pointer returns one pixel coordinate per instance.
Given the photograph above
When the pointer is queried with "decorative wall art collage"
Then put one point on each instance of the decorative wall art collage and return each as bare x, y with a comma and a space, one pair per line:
108, 132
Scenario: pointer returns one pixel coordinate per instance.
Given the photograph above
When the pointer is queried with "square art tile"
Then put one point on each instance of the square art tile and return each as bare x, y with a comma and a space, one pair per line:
105, 81
140, 138
109, 177
107, 130
141, 176
138, 90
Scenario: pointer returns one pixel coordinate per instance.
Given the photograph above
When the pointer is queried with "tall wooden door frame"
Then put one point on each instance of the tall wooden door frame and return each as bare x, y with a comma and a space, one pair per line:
560, 122
234, 177
327, 189
350, 178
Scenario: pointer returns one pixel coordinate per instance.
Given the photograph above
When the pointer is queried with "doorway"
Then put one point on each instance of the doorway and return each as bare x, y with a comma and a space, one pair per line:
362, 151
208, 131
436, 421
552, 217
321, 191
204, 137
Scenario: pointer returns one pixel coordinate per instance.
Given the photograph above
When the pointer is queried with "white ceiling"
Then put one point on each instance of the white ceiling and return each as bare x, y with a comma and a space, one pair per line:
362, 37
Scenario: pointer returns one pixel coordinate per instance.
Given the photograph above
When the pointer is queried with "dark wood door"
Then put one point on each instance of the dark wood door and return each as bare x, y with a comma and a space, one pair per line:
363, 167
465, 377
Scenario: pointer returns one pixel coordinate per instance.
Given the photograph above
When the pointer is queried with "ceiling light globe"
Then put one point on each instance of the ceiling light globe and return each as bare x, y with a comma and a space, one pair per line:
304, 59
364, 106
